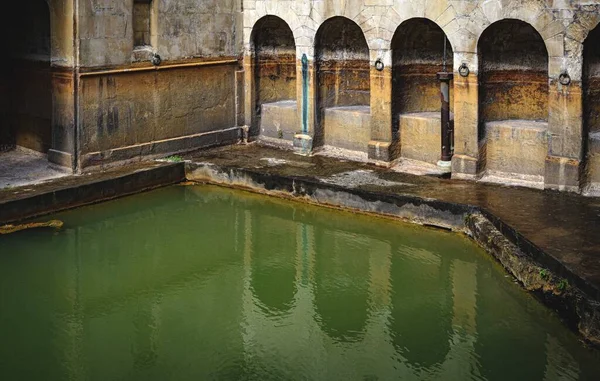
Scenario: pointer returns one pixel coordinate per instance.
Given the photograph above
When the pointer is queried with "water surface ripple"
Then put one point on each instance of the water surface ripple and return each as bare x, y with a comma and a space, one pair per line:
202, 283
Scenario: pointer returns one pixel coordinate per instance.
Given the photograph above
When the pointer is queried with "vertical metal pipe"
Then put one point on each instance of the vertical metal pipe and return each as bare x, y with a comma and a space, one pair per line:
447, 144
304, 94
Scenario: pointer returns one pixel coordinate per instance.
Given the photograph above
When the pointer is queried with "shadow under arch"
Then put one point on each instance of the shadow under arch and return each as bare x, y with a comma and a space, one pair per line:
343, 80
273, 50
26, 81
419, 49
591, 108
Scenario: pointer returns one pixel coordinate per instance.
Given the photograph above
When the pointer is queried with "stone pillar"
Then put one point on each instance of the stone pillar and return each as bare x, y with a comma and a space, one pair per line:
250, 95
62, 149
565, 126
381, 145
465, 162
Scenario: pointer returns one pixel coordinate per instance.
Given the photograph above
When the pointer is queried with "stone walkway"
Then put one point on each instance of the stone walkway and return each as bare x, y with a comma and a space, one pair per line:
25, 167
565, 226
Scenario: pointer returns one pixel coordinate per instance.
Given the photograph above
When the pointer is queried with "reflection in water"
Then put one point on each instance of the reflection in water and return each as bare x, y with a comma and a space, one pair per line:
205, 283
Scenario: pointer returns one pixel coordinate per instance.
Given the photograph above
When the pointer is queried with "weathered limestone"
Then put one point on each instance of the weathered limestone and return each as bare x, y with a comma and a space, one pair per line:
91, 38
347, 127
421, 136
279, 120
516, 149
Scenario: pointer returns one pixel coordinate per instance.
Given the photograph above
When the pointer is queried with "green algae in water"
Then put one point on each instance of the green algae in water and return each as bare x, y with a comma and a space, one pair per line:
199, 283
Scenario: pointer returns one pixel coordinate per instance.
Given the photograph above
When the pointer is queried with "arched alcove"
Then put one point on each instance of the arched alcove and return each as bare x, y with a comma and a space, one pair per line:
274, 61
419, 49
26, 100
343, 86
513, 96
591, 108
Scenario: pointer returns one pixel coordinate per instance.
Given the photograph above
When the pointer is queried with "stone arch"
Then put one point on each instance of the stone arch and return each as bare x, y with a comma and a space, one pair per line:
273, 49
419, 49
343, 85
591, 109
513, 98
26, 103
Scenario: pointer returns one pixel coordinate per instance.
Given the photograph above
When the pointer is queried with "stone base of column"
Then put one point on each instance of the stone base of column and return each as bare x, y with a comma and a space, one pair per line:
63, 159
464, 167
562, 174
303, 144
381, 151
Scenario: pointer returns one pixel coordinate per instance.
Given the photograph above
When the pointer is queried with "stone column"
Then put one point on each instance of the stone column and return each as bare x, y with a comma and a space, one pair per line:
64, 81
465, 163
64, 92
249, 95
565, 124
381, 145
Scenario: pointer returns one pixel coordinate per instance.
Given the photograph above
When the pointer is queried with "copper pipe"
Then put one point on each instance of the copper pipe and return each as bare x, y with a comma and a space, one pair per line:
150, 68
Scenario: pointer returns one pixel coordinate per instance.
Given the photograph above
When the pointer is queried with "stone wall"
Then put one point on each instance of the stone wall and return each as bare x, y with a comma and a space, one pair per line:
562, 27
95, 38
130, 109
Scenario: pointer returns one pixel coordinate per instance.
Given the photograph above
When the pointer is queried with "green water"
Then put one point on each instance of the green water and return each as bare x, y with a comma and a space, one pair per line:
201, 283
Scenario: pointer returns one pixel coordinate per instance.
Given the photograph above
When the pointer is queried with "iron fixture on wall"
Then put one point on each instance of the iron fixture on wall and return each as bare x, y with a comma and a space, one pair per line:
379, 64
564, 78
463, 70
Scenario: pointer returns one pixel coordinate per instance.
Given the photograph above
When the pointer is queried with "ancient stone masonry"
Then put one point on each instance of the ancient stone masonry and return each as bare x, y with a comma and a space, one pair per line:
129, 79
519, 109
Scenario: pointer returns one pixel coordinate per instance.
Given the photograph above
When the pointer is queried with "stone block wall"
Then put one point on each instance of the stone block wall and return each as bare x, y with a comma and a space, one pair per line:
539, 93
95, 38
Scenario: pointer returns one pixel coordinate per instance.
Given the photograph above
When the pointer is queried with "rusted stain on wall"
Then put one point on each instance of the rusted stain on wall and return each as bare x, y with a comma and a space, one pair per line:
274, 60
513, 73
418, 54
134, 108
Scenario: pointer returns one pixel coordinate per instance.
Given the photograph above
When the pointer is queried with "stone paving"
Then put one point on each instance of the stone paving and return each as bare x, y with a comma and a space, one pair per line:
26, 167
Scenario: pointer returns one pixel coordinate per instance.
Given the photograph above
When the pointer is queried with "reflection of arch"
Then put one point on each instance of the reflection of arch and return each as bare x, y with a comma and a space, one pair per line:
513, 96
591, 105
273, 279
417, 56
341, 285
343, 84
274, 61
421, 324
26, 104
518, 356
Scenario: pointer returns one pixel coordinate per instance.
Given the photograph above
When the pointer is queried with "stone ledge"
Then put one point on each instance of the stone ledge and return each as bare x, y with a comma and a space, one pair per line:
69, 192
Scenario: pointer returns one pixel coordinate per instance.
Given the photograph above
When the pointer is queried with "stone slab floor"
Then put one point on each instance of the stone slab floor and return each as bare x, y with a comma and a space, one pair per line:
22, 166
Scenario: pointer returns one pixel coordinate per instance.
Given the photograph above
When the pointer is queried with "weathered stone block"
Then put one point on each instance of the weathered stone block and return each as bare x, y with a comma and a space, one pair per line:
420, 136
348, 127
562, 174
517, 147
381, 151
279, 120
464, 167
592, 169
